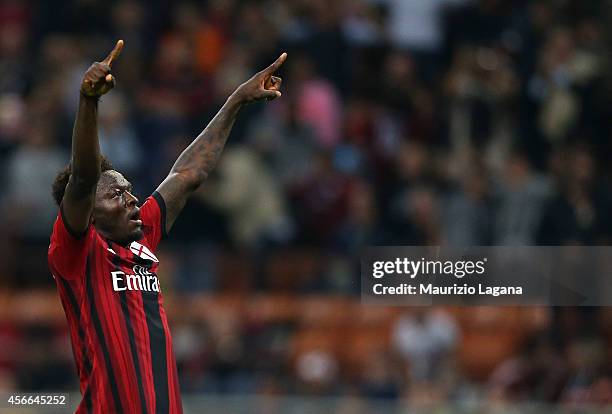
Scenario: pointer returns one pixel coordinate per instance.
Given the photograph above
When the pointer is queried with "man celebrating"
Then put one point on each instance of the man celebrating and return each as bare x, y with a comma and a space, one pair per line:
102, 253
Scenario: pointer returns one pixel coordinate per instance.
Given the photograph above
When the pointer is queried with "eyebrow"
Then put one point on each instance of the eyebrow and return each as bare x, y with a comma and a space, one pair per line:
129, 187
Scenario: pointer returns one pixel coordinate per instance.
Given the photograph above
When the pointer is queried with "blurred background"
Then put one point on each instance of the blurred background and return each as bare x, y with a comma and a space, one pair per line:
402, 122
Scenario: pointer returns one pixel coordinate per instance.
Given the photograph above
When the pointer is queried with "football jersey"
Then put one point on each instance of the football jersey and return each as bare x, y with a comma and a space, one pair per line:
114, 306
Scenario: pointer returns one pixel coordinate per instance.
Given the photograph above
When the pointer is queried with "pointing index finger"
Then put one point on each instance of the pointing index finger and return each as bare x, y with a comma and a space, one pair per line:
277, 64
114, 54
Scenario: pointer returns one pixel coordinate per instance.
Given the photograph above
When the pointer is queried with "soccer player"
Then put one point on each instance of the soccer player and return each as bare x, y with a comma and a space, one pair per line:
102, 253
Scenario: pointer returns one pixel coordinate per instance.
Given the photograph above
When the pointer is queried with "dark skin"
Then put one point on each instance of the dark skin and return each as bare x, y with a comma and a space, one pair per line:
106, 199
116, 214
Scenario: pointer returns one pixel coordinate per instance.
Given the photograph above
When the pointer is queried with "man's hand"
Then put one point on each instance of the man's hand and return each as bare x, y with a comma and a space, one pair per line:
98, 79
263, 85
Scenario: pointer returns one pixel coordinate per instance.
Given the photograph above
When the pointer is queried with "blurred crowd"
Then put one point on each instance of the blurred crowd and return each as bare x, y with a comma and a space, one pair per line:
494, 358
402, 122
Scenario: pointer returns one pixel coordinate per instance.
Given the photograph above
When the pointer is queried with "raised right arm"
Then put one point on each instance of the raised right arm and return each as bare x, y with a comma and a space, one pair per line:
78, 201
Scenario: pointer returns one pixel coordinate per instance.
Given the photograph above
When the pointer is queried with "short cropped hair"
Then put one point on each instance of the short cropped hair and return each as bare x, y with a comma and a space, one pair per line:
62, 177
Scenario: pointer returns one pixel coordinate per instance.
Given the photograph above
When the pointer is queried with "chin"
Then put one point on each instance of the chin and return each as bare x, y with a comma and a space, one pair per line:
137, 235
134, 236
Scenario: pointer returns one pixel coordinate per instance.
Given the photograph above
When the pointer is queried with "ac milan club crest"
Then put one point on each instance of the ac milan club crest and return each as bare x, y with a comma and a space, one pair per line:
143, 252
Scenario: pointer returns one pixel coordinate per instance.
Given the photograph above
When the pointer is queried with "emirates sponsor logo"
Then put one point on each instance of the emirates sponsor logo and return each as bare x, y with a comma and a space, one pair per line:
141, 279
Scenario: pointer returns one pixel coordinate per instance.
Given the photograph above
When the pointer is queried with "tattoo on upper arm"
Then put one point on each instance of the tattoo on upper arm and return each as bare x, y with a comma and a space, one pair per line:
197, 161
207, 151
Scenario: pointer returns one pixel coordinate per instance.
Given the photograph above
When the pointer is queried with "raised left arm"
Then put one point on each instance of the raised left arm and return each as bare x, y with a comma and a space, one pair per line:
197, 161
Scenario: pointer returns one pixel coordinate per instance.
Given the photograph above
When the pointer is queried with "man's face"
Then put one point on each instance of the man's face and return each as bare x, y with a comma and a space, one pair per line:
116, 214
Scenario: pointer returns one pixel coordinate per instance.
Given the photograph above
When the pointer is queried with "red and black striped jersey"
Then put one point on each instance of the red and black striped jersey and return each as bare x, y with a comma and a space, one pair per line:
118, 327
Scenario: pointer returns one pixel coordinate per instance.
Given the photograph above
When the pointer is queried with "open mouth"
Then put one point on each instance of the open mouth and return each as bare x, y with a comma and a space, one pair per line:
135, 217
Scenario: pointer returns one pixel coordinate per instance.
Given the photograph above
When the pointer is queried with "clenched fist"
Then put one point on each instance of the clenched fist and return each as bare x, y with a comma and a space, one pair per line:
98, 79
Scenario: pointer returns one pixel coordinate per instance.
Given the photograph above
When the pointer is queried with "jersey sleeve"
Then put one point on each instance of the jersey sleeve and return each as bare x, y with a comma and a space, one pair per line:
68, 251
153, 216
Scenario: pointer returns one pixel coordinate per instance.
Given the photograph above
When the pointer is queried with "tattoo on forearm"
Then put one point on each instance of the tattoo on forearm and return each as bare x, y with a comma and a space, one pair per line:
197, 161
201, 156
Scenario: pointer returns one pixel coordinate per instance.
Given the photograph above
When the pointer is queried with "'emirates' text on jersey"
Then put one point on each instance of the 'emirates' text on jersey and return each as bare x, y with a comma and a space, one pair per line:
118, 326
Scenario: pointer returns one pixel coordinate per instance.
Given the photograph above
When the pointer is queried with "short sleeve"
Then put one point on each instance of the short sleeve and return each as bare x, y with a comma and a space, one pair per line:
153, 216
68, 251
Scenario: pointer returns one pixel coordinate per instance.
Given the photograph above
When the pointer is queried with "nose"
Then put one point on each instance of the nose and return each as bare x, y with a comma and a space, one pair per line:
130, 199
